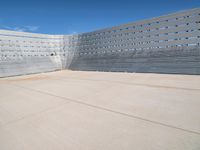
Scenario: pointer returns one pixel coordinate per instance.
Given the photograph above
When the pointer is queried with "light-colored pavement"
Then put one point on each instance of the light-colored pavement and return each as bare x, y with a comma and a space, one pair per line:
74, 110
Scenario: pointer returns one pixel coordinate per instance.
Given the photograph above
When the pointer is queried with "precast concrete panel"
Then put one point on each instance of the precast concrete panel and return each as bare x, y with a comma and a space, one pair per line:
167, 44
25, 53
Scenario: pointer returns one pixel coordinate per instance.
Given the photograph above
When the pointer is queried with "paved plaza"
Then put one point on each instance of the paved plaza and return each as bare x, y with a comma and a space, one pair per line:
77, 110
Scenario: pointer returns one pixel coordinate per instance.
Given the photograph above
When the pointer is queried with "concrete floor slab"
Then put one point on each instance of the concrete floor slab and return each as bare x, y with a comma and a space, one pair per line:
99, 110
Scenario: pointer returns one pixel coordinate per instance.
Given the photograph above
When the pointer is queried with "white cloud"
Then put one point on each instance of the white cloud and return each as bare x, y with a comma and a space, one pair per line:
22, 28
32, 28
72, 32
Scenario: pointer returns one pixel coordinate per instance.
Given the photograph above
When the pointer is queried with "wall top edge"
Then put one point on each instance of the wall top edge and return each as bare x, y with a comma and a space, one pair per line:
28, 34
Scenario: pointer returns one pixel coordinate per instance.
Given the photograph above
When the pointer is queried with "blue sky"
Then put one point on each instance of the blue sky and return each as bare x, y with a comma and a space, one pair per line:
77, 16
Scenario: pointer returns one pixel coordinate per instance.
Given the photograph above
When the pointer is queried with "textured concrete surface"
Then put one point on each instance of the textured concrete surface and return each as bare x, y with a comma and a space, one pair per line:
176, 61
26, 53
97, 110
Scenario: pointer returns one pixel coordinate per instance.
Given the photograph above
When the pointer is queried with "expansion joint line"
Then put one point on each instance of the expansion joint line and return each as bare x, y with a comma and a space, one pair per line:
109, 110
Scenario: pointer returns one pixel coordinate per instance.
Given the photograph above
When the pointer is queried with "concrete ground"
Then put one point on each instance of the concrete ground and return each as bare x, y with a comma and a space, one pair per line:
74, 110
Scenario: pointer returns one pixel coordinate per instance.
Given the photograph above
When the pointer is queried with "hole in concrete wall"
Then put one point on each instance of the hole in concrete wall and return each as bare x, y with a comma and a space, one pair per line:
53, 54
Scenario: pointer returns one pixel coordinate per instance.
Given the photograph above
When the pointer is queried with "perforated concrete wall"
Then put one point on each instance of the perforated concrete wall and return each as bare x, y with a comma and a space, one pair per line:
167, 44
24, 53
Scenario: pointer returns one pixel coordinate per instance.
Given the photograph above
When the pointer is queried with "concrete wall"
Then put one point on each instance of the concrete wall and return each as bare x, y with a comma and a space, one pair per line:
167, 44
25, 53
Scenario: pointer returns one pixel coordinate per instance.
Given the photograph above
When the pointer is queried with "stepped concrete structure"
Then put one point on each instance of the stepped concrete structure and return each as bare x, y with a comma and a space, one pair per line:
166, 44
